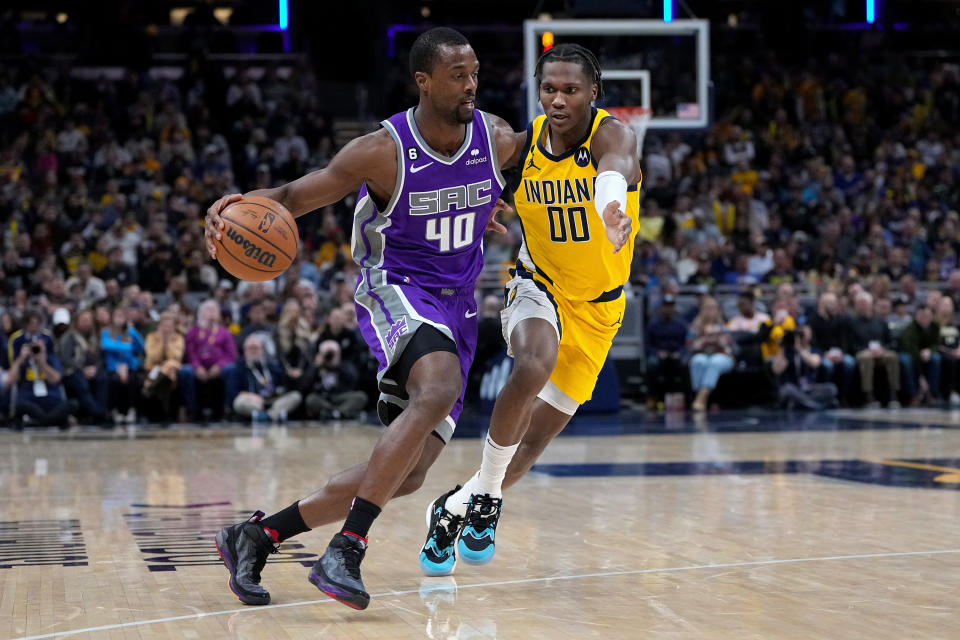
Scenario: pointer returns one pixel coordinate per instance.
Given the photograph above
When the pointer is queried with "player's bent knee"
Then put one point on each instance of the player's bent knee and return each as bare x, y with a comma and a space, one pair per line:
532, 371
437, 397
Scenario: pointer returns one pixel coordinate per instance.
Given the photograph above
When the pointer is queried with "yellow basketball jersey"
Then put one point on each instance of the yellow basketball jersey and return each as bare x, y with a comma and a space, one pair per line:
564, 240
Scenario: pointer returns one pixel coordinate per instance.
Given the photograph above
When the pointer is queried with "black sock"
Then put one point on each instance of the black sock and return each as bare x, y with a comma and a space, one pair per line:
361, 516
285, 524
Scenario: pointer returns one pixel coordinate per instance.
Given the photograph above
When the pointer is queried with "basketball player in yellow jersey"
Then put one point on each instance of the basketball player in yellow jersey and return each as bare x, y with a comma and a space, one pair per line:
578, 204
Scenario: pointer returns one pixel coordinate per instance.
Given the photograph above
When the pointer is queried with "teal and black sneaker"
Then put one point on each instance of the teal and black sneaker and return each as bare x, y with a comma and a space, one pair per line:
476, 545
438, 556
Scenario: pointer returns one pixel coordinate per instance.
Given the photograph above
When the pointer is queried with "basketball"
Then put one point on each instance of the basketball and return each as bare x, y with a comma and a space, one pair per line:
260, 239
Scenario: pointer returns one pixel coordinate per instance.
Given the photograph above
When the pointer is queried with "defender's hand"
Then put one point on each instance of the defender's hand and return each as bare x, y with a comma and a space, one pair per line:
492, 224
617, 225
213, 226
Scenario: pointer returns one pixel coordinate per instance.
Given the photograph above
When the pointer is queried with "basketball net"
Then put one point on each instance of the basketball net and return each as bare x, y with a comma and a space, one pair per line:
637, 118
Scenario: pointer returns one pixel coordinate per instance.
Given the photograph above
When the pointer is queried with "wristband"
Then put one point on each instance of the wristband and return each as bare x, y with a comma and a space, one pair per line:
610, 186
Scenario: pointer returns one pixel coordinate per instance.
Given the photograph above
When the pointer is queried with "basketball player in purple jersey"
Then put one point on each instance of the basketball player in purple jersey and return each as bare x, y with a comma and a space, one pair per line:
429, 183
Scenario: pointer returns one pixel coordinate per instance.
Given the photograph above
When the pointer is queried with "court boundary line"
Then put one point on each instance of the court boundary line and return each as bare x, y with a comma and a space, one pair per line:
498, 583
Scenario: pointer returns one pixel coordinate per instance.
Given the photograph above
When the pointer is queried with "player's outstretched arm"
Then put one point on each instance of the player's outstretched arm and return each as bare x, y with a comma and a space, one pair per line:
615, 148
510, 146
371, 158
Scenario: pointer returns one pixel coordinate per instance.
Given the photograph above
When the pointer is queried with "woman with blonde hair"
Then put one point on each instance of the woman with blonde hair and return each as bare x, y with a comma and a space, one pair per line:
710, 345
162, 364
293, 337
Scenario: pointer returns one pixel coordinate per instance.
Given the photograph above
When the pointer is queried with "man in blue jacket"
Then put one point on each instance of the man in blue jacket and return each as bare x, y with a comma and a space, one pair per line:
36, 374
256, 385
666, 341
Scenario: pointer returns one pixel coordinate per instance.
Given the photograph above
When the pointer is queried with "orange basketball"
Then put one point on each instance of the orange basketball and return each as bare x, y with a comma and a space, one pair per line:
260, 239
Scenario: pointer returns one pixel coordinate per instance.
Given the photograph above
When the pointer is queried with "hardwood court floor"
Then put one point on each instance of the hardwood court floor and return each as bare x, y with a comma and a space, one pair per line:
751, 525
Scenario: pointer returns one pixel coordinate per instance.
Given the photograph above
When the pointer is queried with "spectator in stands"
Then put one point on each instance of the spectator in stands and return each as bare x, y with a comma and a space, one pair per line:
796, 369
710, 345
830, 327
899, 318
953, 288
118, 270
782, 269
335, 327
949, 349
896, 264
748, 319
210, 348
36, 374
777, 331
293, 337
920, 358
285, 145
259, 385
665, 348
333, 381
123, 349
84, 374
92, 287
157, 268
138, 316
201, 276
740, 274
871, 342
703, 274
257, 323
162, 365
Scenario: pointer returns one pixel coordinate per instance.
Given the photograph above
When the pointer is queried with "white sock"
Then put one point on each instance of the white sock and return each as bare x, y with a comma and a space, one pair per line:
493, 468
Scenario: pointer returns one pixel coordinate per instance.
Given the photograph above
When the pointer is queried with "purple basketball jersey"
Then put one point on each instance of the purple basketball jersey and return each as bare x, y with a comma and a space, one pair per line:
430, 234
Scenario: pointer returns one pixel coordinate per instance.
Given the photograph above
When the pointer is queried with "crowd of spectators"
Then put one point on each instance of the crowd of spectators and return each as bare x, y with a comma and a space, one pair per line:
111, 310
811, 233
827, 194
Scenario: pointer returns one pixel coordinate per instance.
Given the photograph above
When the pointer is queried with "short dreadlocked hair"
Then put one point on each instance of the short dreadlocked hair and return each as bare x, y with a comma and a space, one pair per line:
426, 48
569, 52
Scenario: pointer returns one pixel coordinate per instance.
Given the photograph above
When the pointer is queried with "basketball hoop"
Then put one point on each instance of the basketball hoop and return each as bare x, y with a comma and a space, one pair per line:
638, 119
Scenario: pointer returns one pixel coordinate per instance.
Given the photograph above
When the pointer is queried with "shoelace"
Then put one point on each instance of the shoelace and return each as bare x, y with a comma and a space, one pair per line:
484, 512
449, 527
351, 560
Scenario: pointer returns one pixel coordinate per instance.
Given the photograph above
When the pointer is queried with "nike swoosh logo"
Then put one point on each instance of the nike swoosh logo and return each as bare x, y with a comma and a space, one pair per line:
469, 315
414, 169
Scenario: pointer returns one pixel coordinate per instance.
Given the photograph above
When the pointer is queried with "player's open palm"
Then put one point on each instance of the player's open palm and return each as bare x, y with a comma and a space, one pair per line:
213, 224
617, 225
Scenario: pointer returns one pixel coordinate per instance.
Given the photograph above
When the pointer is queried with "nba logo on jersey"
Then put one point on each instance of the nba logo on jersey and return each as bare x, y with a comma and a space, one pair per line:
583, 157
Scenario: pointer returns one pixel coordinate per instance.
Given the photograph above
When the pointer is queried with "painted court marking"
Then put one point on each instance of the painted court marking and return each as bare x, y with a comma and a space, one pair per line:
480, 585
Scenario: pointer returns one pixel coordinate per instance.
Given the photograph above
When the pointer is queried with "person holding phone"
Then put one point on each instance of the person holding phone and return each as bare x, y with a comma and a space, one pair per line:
37, 374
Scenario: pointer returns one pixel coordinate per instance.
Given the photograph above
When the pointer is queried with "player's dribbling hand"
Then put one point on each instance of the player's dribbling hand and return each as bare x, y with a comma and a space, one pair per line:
213, 225
617, 225
492, 224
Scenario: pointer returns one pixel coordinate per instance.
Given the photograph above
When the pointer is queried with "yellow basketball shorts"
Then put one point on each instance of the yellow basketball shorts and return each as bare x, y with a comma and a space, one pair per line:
585, 331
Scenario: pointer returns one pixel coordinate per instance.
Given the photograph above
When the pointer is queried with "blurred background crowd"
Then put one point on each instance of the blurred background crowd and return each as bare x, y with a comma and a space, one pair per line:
808, 240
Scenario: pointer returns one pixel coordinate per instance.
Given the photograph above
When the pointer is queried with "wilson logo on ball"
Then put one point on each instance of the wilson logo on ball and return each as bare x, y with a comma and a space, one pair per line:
251, 250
